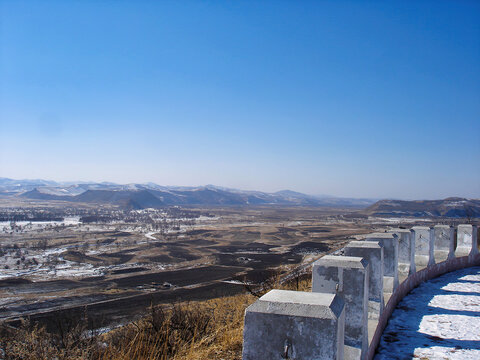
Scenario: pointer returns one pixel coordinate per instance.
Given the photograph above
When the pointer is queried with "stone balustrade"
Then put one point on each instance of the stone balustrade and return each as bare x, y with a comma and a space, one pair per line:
444, 243
348, 277
373, 253
406, 252
354, 295
424, 246
295, 325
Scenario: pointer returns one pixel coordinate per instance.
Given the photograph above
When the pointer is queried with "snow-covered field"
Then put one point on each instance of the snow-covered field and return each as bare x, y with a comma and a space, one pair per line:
49, 264
22, 254
32, 226
440, 319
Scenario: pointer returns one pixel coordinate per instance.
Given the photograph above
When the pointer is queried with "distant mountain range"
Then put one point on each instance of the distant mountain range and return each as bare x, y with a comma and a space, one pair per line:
450, 207
150, 195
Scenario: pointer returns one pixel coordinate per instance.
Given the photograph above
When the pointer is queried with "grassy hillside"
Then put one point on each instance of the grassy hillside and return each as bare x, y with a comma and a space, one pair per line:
198, 330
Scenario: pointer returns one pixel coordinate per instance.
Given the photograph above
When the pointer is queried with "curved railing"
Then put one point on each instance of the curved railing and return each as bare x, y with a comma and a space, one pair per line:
353, 295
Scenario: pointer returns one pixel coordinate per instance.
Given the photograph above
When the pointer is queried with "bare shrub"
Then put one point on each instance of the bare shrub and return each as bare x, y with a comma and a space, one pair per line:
209, 329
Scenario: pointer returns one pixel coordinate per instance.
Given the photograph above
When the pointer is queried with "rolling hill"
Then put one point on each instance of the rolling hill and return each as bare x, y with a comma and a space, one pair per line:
450, 207
140, 196
150, 195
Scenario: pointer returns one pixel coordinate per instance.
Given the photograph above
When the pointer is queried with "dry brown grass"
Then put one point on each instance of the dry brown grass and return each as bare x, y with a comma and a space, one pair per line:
201, 330
197, 330
30, 342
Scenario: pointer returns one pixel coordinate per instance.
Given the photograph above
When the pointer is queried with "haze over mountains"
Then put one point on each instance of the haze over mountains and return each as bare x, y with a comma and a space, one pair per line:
140, 196
150, 195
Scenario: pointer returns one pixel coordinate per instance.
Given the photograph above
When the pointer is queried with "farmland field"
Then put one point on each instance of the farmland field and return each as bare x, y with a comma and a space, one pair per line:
113, 265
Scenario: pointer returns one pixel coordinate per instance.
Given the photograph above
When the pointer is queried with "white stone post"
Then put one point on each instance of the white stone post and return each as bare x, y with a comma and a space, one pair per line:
294, 325
444, 242
389, 241
431, 250
467, 240
348, 277
406, 252
423, 246
373, 253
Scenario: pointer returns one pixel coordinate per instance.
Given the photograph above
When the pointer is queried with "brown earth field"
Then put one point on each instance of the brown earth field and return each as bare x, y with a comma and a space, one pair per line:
205, 260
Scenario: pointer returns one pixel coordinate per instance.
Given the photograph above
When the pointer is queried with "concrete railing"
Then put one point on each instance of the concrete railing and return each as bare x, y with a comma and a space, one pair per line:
354, 295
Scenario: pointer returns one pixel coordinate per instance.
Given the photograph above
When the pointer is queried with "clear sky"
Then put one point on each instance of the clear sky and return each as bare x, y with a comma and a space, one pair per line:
348, 98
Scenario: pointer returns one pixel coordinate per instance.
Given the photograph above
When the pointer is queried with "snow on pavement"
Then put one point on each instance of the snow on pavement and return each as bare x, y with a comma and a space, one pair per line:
440, 319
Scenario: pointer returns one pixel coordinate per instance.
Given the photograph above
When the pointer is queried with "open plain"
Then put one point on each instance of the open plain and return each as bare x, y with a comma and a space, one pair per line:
111, 263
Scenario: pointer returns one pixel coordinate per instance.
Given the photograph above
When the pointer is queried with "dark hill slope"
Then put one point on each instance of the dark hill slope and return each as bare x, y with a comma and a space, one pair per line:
130, 199
207, 196
450, 207
37, 195
140, 196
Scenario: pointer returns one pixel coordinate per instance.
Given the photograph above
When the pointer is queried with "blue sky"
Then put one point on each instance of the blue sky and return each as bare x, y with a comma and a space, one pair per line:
349, 98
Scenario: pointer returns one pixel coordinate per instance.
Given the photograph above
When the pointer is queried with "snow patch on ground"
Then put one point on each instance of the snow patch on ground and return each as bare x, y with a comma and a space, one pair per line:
463, 287
457, 302
440, 319
471, 277
9, 300
150, 235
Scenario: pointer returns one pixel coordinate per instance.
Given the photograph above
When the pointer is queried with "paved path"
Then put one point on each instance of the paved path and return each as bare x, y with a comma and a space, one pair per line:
440, 319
